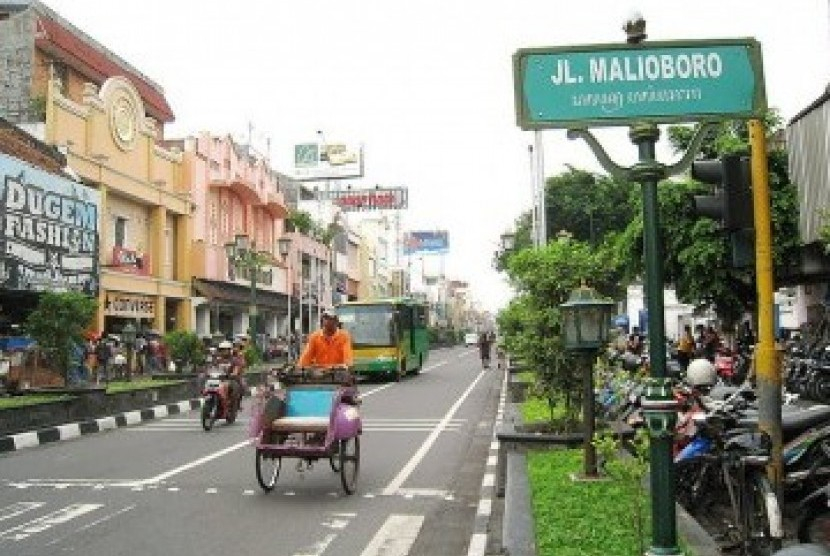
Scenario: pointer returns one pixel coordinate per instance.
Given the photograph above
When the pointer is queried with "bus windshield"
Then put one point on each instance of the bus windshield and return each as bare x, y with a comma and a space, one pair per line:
369, 325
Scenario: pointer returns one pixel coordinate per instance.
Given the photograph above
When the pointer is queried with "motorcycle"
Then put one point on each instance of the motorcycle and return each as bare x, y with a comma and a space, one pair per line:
217, 398
814, 518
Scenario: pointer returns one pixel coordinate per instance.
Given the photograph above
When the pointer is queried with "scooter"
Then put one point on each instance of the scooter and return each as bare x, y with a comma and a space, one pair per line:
217, 398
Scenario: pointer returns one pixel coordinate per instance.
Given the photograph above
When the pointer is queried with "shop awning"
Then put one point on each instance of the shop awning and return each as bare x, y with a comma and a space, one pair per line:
239, 295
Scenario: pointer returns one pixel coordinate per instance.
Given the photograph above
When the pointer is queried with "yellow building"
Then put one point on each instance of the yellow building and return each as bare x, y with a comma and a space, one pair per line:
108, 118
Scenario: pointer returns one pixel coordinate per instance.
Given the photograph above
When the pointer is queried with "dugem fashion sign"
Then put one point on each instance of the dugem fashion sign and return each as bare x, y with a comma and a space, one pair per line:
50, 230
607, 85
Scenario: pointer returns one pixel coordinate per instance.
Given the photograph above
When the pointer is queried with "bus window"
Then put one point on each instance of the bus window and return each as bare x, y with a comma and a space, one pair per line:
369, 326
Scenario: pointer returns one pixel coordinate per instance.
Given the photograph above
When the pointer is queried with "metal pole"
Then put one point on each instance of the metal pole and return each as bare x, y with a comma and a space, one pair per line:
290, 290
542, 219
588, 449
534, 226
253, 266
658, 405
767, 371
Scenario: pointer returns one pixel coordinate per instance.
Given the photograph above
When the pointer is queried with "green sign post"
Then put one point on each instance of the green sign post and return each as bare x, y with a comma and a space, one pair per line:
607, 85
641, 85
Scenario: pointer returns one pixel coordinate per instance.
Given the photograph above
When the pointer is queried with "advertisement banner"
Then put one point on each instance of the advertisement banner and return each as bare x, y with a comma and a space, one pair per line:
377, 198
131, 261
327, 161
435, 242
50, 230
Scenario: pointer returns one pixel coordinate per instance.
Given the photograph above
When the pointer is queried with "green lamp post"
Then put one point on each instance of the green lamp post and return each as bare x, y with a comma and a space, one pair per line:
128, 336
586, 322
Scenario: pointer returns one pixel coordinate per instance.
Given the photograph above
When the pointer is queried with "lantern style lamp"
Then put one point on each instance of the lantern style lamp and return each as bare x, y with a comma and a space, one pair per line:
508, 241
128, 336
586, 319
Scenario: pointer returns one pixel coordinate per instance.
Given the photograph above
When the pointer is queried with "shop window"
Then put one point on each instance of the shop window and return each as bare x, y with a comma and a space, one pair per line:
120, 231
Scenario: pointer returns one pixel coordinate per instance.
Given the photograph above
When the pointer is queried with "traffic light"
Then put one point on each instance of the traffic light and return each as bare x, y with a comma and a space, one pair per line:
730, 203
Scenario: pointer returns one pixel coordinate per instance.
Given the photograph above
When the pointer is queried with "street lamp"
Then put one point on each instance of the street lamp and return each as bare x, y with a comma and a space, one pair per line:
586, 320
284, 244
128, 336
242, 253
508, 241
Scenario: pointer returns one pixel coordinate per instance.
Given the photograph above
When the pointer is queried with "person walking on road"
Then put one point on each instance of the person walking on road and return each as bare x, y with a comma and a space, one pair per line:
485, 343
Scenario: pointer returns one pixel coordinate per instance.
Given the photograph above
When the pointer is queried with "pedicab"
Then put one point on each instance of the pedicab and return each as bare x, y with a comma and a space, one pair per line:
319, 419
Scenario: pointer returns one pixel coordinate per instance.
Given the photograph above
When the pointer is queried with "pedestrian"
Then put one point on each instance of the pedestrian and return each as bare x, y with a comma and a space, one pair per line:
685, 347
485, 343
103, 353
711, 343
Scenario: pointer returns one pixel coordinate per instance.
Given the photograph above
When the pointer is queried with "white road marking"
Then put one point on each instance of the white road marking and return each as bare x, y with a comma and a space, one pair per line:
319, 547
182, 468
93, 524
41, 524
478, 544
416, 458
433, 366
430, 492
18, 508
395, 537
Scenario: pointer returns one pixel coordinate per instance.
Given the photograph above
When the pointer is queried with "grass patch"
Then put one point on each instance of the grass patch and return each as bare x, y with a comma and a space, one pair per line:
139, 384
536, 409
33, 399
577, 518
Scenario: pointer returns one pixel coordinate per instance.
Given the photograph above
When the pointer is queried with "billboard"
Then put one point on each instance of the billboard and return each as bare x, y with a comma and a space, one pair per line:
376, 198
431, 242
50, 230
327, 161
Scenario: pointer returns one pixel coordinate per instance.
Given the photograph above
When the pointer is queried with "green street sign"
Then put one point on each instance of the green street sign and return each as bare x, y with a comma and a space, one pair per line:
619, 84
306, 155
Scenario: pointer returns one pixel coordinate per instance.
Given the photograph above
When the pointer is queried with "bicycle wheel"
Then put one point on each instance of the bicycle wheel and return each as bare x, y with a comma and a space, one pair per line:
762, 516
349, 463
334, 458
267, 469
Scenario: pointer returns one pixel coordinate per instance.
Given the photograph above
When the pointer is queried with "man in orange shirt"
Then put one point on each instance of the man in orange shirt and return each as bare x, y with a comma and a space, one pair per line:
328, 346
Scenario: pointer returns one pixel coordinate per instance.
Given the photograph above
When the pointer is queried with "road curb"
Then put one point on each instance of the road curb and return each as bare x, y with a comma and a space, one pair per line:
68, 431
481, 526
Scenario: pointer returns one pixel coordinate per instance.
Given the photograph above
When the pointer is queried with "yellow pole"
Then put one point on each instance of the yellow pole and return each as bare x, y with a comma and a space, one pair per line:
767, 372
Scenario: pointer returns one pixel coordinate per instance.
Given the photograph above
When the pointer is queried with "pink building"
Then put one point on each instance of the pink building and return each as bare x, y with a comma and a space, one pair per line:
237, 198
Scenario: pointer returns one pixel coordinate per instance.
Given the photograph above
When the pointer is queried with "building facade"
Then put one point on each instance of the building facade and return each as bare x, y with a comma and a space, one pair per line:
108, 119
235, 194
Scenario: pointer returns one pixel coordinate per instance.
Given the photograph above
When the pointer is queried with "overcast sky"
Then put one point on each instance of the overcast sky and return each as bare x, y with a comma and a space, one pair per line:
426, 86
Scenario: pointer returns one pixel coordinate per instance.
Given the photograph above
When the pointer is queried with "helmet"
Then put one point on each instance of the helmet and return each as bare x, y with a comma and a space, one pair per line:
225, 345
701, 373
328, 314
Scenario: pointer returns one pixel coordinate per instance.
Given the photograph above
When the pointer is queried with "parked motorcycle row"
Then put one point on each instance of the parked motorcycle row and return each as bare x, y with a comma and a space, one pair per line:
721, 457
808, 370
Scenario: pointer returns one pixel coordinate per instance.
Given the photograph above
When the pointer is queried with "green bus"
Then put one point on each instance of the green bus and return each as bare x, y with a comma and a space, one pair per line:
389, 336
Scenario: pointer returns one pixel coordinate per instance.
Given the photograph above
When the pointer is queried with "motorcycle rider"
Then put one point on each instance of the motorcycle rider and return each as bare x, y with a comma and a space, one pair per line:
235, 369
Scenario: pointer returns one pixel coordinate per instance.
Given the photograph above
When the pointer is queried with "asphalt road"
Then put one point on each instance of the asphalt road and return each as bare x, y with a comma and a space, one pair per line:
167, 487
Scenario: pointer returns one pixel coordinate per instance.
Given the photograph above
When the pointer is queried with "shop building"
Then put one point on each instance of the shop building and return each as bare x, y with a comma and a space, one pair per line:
108, 119
49, 240
236, 195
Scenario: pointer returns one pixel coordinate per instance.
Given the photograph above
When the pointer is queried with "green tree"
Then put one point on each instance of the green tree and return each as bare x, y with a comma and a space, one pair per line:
530, 325
589, 206
697, 255
58, 324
